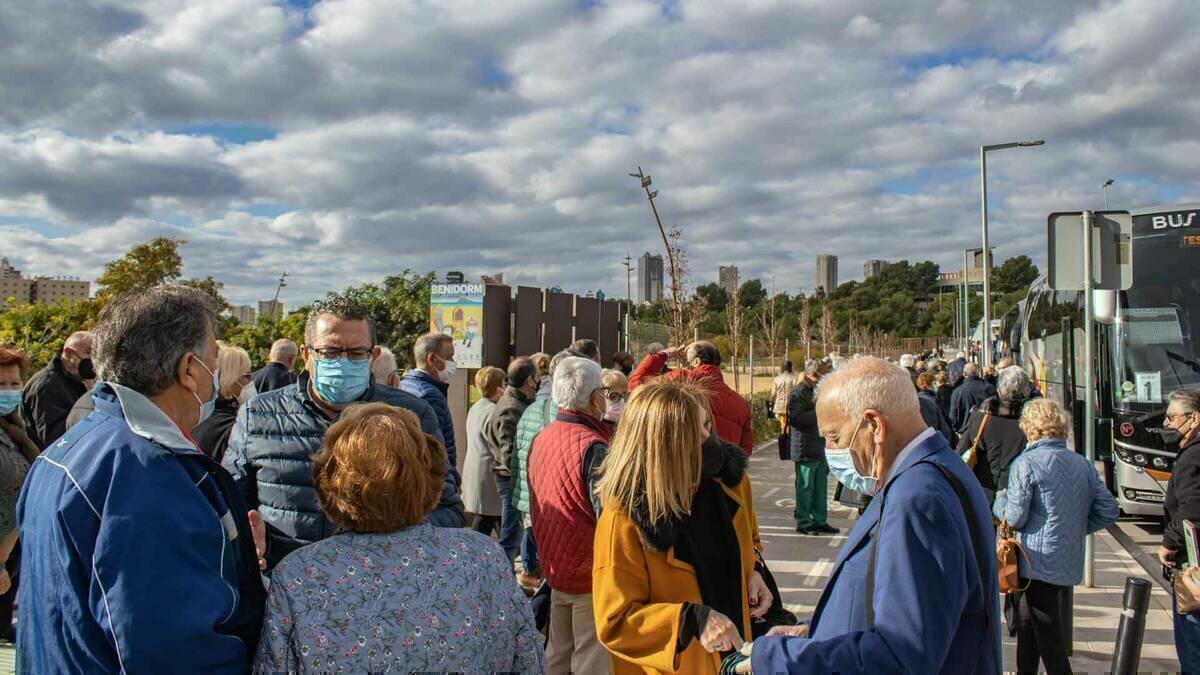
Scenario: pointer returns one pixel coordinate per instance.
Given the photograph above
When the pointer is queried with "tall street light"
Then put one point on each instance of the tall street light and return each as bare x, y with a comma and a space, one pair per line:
1107, 184
987, 251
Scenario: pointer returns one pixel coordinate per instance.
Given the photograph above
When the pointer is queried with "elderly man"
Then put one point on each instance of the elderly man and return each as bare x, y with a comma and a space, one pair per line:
430, 380
914, 588
808, 453
138, 556
276, 434
973, 391
384, 368
500, 433
909, 363
278, 373
954, 369
50, 394
731, 413
564, 507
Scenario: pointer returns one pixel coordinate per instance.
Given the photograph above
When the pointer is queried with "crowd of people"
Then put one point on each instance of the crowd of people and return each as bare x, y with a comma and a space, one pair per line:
171, 508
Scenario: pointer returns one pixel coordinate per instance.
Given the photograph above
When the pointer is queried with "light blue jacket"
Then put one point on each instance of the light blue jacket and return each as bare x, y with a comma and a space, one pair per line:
1054, 499
934, 612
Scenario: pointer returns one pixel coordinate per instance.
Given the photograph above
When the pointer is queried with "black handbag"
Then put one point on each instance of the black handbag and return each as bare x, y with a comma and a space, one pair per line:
778, 615
785, 446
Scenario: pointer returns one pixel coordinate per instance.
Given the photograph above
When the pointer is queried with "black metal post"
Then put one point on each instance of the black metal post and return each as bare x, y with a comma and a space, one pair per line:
1128, 650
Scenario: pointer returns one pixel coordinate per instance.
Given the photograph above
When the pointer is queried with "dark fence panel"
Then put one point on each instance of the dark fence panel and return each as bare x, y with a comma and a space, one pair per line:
587, 319
497, 328
610, 331
558, 323
529, 320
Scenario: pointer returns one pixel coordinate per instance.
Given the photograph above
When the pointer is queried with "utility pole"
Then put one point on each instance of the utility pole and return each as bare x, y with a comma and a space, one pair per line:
628, 278
1089, 390
275, 300
650, 195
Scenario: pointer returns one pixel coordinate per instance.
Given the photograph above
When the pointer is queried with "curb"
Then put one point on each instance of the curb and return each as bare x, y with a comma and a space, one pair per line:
1147, 562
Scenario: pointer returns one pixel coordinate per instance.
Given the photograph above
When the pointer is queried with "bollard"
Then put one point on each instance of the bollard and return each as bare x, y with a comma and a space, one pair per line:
1128, 650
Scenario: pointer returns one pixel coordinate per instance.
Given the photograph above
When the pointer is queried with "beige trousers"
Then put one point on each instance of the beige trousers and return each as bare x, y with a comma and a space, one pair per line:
573, 646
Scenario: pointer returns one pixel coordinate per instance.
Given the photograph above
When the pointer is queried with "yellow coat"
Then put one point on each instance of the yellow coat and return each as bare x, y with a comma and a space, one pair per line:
638, 593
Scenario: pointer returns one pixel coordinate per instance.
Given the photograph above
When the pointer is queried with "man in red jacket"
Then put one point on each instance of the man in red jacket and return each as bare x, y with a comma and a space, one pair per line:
564, 508
730, 412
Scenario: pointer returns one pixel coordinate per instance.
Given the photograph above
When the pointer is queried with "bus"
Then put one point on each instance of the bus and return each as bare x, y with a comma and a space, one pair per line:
1145, 349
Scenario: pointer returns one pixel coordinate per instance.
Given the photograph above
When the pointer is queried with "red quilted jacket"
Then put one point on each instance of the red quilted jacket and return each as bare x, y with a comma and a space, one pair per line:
731, 413
564, 522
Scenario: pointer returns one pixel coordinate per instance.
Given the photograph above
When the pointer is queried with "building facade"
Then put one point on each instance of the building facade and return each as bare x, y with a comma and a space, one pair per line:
244, 314
874, 268
270, 309
650, 278
728, 277
45, 290
827, 273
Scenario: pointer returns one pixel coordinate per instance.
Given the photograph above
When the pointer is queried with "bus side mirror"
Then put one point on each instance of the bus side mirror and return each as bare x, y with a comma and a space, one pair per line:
1105, 304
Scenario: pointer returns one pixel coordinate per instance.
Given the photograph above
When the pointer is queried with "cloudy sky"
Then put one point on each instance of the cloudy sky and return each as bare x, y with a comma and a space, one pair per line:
343, 140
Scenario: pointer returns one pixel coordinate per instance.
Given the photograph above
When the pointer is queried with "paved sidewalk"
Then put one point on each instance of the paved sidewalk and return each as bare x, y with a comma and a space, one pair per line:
801, 565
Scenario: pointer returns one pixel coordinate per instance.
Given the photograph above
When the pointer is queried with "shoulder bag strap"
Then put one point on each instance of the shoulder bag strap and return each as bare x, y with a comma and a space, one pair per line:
978, 436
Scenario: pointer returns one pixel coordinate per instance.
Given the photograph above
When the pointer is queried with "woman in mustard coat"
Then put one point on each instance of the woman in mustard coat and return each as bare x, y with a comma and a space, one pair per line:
674, 579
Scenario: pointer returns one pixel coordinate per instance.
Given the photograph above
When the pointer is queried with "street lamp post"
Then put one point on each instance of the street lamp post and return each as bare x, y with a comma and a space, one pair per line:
1107, 184
987, 253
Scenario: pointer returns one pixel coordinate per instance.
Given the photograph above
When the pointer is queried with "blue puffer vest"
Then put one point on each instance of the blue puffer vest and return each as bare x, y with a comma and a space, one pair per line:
433, 391
270, 457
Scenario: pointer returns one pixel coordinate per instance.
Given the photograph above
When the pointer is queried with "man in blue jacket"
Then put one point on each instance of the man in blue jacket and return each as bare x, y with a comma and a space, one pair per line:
914, 588
277, 434
430, 380
137, 553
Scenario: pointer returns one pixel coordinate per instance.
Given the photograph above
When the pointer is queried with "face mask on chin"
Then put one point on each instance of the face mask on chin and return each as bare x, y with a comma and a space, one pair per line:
841, 465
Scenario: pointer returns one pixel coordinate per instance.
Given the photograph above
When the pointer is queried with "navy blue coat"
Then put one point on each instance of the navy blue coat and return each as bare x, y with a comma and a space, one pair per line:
433, 391
270, 456
272, 376
970, 393
932, 609
932, 413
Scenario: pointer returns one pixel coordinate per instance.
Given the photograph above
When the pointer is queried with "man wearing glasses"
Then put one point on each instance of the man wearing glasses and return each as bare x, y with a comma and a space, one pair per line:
276, 434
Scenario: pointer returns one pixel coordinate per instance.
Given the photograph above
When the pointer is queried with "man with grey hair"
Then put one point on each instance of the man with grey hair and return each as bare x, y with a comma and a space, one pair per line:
971, 392
562, 476
384, 368
49, 395
138, 554
278, 373
996, 423
730, 412
919, 559
954, 369
808, 453
430, 381
277, 434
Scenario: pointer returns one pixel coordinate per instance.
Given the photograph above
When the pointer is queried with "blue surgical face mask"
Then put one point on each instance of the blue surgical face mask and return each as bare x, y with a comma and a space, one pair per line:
10, 400
841, 465
342, 381
207, 407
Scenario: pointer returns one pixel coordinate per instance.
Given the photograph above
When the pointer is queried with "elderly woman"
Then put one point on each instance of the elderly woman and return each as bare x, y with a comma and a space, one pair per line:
480, 496
1182, 427
931, 412
1053, 501
993, 431
391, 591
17, 451
233, 367
674, 573
616, 391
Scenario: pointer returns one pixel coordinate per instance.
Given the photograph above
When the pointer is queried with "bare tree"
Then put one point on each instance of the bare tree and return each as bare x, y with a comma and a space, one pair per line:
806, 328
770, 325
827, 329
733, 326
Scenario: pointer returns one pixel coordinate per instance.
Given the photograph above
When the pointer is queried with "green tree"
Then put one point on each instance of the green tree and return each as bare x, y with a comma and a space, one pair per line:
751, 293
714, 295
400, 306
146, 265
40, 329
1016, 274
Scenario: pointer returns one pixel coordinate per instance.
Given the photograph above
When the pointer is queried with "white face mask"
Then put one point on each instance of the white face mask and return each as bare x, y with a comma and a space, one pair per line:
841, 465
448, 371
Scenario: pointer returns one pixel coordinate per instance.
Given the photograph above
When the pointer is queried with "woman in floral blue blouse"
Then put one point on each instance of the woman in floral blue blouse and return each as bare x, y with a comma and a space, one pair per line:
391, 592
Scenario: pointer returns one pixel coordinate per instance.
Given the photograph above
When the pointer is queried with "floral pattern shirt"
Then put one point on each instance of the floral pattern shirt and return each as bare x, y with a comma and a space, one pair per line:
422, 599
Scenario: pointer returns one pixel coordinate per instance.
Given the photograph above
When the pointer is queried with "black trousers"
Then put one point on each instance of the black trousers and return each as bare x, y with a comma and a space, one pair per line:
486, 524
1040, 628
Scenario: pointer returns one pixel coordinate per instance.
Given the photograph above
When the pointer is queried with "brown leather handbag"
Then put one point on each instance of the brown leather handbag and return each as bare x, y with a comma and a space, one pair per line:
1007, 550
971, 456
1186, 584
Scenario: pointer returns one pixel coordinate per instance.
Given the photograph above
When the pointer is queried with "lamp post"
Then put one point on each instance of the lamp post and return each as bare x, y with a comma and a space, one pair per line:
987, 253
1107, 184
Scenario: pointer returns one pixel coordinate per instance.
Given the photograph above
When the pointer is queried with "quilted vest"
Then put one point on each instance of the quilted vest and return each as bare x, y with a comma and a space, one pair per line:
564, 523
533, 420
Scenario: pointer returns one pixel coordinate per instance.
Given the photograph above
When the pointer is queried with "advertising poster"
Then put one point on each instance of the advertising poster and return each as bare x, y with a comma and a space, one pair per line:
457, 311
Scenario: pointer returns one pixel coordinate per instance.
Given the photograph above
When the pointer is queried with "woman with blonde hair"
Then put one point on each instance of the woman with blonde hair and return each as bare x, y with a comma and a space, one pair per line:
233, 368
674, 580
391, 592
481, 497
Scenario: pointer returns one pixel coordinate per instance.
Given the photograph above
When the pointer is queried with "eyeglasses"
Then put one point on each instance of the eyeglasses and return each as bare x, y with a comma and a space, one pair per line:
611, 395
335, 354
1171, 416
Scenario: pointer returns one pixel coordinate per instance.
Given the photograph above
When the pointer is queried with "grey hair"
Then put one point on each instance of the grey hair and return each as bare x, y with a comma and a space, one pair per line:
932, 363
383, 365
907, 360
707, 352
970, 370
655, 347
558, 358
1013, 384
575, 380
1188, 399
962, 355
341, 307
811, 366
283, 348
870, 383
142, 337
429, 343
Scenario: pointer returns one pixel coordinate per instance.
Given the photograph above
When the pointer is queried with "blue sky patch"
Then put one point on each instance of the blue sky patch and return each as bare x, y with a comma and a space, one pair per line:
233, 133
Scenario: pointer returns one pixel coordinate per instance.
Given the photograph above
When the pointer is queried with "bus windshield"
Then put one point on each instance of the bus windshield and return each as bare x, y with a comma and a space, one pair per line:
1159, 319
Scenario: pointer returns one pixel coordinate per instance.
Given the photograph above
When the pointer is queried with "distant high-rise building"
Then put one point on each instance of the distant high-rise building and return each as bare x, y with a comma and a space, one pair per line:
873, 268
728, 276
243, 313
650, 278
827, 273
270, 309
39, 289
